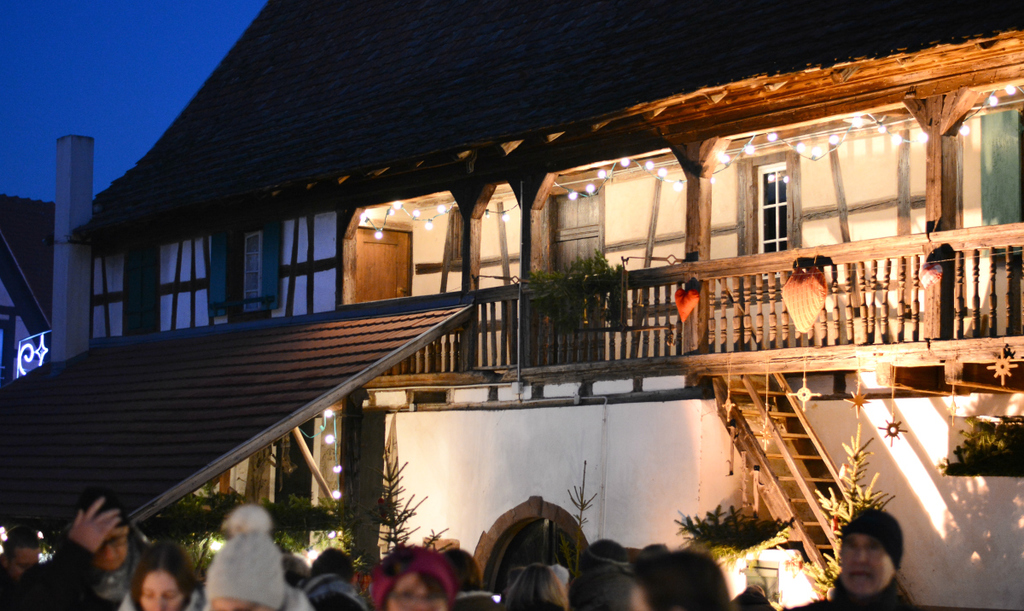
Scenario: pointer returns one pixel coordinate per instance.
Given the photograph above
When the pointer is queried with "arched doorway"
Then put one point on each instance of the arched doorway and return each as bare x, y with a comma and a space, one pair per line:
530, 532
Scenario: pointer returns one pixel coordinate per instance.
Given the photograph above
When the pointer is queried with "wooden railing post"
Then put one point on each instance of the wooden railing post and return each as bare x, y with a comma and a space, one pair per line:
472, 198
532, 192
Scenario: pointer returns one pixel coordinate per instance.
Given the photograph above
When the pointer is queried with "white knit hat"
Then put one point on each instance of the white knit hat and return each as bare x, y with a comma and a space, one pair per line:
248, 567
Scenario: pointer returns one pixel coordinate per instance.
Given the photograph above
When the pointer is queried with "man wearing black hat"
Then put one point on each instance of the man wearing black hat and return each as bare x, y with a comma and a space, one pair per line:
870, 554
93, 568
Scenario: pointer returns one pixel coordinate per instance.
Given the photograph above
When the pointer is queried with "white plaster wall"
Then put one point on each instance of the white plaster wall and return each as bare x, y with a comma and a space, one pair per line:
645, 461
972, 173
325, 227
964, 536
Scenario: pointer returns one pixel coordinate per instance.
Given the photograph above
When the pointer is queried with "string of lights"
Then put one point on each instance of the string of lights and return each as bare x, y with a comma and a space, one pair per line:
812, 152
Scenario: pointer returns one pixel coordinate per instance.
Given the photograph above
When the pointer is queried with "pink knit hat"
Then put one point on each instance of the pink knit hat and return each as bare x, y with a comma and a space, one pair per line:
412, 560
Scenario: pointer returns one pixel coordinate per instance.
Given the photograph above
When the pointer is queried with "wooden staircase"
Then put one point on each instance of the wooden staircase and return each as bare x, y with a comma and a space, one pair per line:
788, 458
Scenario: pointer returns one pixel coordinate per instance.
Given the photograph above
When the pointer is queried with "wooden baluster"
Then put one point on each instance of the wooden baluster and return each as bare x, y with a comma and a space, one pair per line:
736, 296
1011, 292
848, 303
901, 299
658, 337
833, 308
959, 311
976, 298
993, 320
784, 317
757, 312
915, 296
862, 284
744, 318
505, 336
884, 285
1013, 282
820, 323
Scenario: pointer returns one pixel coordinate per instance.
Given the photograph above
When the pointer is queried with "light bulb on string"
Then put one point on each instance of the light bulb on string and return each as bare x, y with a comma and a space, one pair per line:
772, 137
712, 180
328, 413
216, 545
441, 209
723, 158
487, 214
801, 147
336, 494
833, 139
397, 205
896, 139
923, 137
504, 217
965, 129
624, 162
332, 535
816, 152
336, 468
785, 179
749, 149
379, 235
993, 100
364, 217
591, 188
391, 212
428, 225
329, 439
662, 172
1010, 89
678, 185
416, 213
771, 177
857, 121
573, 196
882, 129
649, 166
602, 174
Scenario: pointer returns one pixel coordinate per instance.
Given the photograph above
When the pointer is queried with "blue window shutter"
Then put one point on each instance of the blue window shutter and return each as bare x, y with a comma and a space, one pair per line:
218, 292
1000, 168
270, 264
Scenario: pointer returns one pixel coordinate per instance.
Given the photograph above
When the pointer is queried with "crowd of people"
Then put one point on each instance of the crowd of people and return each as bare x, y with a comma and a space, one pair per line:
104, 564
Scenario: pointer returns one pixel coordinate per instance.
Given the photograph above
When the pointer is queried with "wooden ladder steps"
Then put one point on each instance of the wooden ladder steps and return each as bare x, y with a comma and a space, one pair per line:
797, 456
816, 480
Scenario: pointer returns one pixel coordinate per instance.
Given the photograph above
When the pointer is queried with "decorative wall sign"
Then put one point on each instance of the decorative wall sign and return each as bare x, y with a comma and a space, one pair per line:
32, 353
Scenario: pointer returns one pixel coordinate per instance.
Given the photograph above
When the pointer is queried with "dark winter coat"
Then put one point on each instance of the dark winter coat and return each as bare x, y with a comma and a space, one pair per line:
606, 587
752, 600
888, 600
68, 582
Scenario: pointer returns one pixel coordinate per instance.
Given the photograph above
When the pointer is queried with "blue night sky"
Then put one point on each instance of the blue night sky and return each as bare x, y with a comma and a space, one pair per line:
119, 71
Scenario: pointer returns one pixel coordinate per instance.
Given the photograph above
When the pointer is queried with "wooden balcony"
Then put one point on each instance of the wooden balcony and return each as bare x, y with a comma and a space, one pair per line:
876, 313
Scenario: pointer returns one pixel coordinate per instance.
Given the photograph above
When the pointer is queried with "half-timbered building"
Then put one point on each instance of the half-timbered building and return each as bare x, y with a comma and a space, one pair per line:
327, 255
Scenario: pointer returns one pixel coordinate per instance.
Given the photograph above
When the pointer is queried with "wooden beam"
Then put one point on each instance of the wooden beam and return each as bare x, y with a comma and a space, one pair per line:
446, 253
746, 207
698, 160
314, 468
506, 268
652, 229
940, 117
531, 190
472, 198
348, 253
794, 204
903, 186
837, 184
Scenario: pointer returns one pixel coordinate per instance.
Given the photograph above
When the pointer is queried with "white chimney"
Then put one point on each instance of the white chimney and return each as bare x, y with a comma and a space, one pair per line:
72, 263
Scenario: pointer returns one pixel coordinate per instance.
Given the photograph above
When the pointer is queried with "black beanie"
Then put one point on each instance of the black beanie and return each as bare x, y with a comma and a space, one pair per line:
881, 526
603, 551
110, 501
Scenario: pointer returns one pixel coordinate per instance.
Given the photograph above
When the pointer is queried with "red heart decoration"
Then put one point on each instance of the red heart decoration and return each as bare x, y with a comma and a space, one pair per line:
686, 301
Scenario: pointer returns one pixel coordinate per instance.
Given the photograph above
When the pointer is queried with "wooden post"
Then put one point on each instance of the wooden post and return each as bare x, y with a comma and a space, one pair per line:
506, 269
347, 252
837, 184
698, 160
794, 205
532, 192
746, 208
472, 198
903, 186
652, 230
940, 117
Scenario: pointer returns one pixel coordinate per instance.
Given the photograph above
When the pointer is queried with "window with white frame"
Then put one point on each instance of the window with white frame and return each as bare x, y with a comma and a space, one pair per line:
772, 197
253, 277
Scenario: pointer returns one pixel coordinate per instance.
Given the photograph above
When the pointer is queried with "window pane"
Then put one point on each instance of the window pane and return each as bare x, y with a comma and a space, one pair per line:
781, 182
783, 224
252, 243
769, 247
252, 262
769, 191
252, 282
769, 224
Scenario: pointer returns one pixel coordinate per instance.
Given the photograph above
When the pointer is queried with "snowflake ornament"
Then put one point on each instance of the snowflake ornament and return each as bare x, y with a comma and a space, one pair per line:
1001, 368
892, 431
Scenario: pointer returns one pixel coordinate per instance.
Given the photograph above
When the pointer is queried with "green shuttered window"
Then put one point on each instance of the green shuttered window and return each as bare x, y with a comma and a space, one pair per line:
222, 255
140, 287
1001, 168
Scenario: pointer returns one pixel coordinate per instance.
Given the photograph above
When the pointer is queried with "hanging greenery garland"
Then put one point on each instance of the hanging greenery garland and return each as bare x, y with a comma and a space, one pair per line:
731, 536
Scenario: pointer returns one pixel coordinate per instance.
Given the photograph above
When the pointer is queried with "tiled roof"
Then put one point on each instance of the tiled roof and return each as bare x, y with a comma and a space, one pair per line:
143, 418
319, 88
25, 225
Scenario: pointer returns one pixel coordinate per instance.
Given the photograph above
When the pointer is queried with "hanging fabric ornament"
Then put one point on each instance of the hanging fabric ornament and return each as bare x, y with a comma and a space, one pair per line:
804, 295
687, 298
931, 271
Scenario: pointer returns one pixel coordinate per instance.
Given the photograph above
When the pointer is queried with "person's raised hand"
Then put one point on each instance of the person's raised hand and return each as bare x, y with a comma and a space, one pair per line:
91, 527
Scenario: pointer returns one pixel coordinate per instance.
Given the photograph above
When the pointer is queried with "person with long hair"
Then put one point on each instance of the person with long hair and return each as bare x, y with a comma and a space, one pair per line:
537, 588
164, 581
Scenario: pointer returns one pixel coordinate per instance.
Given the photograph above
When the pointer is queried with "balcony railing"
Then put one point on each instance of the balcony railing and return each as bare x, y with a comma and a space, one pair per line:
875, 297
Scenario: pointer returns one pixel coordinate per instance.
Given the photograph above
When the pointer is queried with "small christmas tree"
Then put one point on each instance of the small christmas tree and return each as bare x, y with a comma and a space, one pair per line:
571, 550
855, 500
393, 513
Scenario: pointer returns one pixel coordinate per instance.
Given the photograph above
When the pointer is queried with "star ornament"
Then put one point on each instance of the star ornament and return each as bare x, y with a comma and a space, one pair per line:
892, 431
1001, 368
857, 401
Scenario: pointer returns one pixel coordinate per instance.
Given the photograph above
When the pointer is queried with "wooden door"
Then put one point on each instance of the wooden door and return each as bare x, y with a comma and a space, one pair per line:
383, 267
579, 229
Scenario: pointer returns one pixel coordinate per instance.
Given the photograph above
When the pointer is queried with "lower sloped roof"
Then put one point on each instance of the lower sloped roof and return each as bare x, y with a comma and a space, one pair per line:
153, 420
